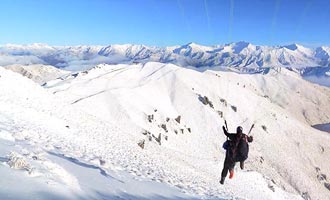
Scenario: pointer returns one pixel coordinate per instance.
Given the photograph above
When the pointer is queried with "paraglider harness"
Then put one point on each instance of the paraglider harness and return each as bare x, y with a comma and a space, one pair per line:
226, 145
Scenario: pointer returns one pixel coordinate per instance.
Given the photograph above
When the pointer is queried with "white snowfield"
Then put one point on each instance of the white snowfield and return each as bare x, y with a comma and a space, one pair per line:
38, 73
81, 136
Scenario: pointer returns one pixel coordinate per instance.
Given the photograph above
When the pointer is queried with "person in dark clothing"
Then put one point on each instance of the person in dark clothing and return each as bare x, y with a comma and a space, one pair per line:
237, 151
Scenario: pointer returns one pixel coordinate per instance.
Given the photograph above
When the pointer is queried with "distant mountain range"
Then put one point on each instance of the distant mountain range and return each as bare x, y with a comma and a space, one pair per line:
240, 55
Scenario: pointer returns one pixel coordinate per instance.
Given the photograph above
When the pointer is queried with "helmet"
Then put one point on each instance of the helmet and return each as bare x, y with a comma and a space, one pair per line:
239, 129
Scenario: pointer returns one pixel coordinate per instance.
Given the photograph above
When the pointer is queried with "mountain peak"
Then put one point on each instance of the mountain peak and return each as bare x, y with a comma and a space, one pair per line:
194, 47
243, 43
292, 47
239, 46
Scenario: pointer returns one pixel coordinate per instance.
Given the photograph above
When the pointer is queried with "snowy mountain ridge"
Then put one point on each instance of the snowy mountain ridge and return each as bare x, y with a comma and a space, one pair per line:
238, 55
312, 64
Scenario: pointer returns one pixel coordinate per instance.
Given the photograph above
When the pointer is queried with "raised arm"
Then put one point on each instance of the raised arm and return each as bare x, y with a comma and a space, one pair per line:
231, 136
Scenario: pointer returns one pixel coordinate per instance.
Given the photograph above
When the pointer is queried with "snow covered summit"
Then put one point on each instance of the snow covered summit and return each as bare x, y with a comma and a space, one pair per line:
239, 55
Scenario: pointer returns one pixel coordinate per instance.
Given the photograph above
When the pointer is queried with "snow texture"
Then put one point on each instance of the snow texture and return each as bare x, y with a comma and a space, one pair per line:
79, 133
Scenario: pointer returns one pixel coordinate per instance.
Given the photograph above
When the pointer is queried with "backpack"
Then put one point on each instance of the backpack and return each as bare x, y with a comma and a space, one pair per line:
226, 145
238, 149
242, 149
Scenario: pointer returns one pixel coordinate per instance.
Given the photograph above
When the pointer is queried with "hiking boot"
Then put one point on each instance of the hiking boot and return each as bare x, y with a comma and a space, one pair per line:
222, 181
231, 173
241, 164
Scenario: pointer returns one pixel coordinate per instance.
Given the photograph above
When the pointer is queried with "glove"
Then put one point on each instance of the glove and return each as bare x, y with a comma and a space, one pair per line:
250, 138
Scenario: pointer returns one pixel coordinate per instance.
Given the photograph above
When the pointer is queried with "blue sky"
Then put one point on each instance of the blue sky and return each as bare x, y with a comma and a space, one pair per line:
165, 22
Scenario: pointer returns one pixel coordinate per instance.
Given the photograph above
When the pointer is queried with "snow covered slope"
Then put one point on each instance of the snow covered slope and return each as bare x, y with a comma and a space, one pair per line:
114, 132
144, 101
49, 150
38, 73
